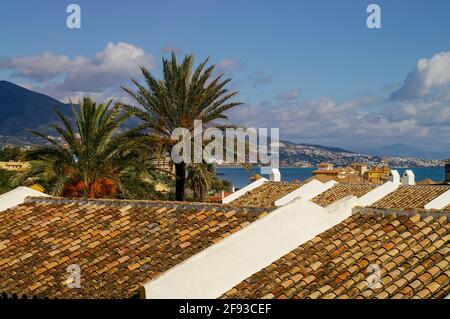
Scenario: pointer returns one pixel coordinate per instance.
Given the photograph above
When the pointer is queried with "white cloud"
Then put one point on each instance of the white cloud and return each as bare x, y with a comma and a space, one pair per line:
288, 95
43, 67
429, 74
228, 64
259, 78
110, 68
349, 123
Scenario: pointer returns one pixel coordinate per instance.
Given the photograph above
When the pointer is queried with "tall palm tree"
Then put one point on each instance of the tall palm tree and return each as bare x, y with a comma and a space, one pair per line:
175, 101
90, 157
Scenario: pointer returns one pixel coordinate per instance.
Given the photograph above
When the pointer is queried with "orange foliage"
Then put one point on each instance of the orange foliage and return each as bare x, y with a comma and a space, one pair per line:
102, 188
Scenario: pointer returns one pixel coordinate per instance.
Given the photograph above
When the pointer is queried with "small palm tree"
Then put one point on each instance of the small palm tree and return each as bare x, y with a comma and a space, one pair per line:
90, 157
200, 179
180, 97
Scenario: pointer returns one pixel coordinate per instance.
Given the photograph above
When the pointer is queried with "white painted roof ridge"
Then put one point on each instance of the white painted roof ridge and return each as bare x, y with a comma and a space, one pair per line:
17, 196
218, 268
439, 202
306, 191
244, 190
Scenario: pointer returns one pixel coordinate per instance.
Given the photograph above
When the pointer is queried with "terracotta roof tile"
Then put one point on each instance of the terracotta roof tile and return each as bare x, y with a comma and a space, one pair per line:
408, 197
118, 245
267, 194
399, 246
340, 191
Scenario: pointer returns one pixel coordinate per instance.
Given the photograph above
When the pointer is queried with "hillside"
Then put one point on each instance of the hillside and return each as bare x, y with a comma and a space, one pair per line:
404, 150
22, 109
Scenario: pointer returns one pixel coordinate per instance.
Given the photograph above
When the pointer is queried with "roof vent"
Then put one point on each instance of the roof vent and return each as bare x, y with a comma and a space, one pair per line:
394, 177
275, 175
408, 178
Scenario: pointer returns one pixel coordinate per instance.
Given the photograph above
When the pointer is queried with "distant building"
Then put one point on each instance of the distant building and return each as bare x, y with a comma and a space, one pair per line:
165, 165
325, 167
162, 188
378, 175
356, 173
341, 178
361, 168
328, 169
12, 166
447, 170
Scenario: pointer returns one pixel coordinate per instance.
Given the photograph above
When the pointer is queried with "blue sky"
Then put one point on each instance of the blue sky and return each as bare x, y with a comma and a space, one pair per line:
316, 60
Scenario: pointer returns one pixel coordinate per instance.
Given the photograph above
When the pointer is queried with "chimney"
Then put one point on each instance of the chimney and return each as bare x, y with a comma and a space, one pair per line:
394, 177
275, 175
408, 178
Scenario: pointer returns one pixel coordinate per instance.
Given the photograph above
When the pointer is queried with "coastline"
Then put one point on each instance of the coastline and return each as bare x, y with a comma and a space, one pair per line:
239, 176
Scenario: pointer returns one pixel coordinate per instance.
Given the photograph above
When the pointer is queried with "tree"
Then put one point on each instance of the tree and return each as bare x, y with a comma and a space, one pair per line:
175, 101
5, 181
90, 157
199, 179
10, 153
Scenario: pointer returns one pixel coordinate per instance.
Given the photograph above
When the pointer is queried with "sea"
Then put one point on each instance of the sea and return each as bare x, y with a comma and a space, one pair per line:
240, 177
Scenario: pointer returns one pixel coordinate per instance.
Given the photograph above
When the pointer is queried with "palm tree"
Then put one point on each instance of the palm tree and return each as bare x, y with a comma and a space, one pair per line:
200, 178
180, 97
5, 181
90, 157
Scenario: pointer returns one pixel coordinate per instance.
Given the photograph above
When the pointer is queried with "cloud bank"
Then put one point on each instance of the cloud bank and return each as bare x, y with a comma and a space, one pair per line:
428, 76
110, 68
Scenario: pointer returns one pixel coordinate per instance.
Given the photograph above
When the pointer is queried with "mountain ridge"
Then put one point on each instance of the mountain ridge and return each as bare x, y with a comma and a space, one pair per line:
22, 109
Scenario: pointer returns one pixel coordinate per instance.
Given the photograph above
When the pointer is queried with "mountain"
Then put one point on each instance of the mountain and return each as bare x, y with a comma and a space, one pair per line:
22, 109
404, 150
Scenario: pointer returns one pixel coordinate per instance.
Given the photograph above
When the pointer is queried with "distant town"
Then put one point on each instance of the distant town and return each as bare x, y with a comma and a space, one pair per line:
310, 156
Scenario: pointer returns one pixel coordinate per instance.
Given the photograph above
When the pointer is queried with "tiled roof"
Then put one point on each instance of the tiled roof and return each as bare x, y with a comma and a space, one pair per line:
118, 245
427, 181
340, 191
348, 179
411, 251
416, 196
266, 194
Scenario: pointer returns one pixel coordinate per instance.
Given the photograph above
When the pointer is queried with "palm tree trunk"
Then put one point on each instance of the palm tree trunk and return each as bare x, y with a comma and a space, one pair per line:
180, 173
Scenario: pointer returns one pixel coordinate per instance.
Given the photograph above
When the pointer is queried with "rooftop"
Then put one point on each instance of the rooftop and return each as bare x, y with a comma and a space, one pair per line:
414, 196
411, 251
119, 245
347, 179
340, 191
427, 181
267, 194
